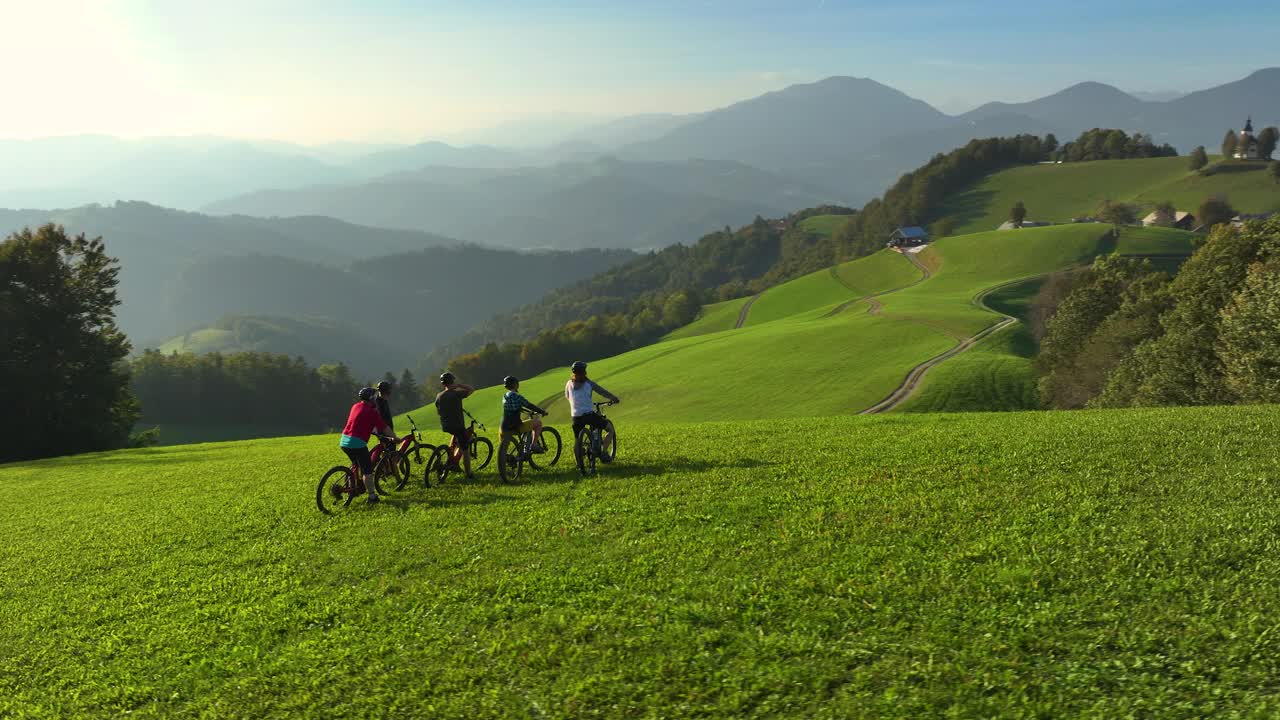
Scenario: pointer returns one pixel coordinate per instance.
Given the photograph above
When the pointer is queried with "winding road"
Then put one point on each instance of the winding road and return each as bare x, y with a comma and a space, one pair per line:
917, 373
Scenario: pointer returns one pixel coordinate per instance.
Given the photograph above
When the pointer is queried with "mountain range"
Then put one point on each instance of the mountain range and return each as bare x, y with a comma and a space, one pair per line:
844, 137
838, 140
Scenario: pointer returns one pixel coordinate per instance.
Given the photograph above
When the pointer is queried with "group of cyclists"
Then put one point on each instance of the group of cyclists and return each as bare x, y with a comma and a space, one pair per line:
371, 415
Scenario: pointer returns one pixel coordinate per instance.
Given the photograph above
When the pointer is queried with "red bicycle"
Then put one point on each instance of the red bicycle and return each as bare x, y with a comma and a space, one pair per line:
343, 483
441, 464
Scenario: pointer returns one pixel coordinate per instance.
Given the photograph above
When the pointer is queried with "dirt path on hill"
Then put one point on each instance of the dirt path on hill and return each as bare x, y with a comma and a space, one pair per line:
909, 385
746, 308
875, 304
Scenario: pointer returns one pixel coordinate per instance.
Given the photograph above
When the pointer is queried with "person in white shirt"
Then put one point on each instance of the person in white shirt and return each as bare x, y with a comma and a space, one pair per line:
578, 392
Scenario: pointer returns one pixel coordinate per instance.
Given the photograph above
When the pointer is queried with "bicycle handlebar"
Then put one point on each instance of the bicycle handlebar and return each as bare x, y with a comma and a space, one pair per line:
473, 419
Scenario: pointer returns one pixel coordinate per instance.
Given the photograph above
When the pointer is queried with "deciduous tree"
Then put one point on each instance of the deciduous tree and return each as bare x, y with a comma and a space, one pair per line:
1018, 213
1229, 143
1215, 211
62, 379
1199, 159
1267, 140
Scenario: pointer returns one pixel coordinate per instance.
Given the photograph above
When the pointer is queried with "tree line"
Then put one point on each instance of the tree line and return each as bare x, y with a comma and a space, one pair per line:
1111, 144
1123, 334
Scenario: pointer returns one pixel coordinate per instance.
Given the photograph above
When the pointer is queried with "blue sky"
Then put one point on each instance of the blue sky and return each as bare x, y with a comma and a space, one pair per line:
405, 71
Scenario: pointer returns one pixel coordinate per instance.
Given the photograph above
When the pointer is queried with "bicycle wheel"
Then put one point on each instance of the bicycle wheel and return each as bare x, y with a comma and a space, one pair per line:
437, 467
550, 441
336, 490
583, 453
510, 460
420, 453
481, 453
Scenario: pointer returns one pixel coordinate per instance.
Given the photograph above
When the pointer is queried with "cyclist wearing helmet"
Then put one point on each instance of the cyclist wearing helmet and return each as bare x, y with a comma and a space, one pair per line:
449, 407
578, 392
362, 422
384, 403
512, 403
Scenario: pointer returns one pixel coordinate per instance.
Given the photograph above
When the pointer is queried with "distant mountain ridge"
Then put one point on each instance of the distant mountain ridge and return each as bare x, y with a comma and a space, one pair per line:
605, 202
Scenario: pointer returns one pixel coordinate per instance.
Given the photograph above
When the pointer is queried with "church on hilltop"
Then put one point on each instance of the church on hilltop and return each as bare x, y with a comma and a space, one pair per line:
1247, 144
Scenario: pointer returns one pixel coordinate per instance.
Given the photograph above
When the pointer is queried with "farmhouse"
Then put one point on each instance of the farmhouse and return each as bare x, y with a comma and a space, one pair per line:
1247, 145
1011, 225
1241, 219
908, 237
1181, 220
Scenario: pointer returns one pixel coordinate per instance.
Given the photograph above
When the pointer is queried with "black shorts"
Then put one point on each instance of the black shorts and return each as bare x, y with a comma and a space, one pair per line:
595, 420
459, 435
361, 459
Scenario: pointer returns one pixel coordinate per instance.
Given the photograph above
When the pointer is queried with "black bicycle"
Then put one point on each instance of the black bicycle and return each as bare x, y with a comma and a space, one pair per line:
589, 445
515, 451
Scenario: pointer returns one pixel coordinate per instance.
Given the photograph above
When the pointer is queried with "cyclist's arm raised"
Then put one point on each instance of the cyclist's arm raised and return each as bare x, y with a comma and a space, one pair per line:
596, 386
464, 389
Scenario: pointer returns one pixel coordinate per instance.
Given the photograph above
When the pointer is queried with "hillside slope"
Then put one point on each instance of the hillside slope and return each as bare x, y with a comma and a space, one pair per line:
820, 567
1057, 193
817, 349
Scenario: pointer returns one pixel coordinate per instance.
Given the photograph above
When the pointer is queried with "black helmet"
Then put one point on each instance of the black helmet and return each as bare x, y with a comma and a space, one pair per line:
578, 367
366, 393
509, 381
447, 379
384, 386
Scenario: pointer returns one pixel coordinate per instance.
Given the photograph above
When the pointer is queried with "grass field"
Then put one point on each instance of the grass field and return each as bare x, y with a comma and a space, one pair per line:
714, 318
795, 358
1100, 564
1057, 193
825, 225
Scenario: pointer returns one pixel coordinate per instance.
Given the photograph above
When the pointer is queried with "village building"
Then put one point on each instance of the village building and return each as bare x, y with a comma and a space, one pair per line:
1247, 144
1011, 225
1181, 220
908, 237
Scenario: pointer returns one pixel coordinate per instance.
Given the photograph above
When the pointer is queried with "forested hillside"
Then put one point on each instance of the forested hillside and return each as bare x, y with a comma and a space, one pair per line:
638, 302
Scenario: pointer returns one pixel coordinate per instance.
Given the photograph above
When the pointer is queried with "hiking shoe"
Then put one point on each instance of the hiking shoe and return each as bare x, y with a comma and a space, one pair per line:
374, 499
538, 450
606, 459
471, 476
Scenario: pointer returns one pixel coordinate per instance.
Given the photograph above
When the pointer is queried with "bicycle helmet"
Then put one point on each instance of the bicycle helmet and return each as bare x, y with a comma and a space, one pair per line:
447, 379
384, 386
366, 393
578, 367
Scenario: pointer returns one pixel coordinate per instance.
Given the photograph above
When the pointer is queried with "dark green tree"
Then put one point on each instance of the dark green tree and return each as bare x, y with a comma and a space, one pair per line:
1267, 140
1229, 142
1184, 364
1199, 158
1215, 211
64, 386
407, 388
1018, 213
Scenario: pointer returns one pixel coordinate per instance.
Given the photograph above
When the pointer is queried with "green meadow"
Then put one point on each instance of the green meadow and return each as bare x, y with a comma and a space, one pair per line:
814, 346
1102, 564
1057, 193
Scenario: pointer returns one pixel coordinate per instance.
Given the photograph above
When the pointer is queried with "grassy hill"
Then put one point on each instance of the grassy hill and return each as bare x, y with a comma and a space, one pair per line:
1057, 193
813, 347
320, 340
993, 565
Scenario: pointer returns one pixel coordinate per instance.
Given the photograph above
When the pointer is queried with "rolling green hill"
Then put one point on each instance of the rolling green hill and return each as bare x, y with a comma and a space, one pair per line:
320, 340
815, 346
1057, 193
996, 565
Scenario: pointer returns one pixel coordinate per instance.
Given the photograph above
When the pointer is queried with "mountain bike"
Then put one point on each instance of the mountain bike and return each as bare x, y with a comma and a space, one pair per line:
343, 483
441, 464
588, 445
515, 451
412, 447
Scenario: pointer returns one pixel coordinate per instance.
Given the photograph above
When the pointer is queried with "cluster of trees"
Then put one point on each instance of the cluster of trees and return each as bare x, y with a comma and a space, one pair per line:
1124, 335
1267, 140
1109, 144
63, 385
264, 389
634, 304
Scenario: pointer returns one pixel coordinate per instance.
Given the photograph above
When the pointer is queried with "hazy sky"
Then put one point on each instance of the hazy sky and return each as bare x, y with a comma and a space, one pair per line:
321, 70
